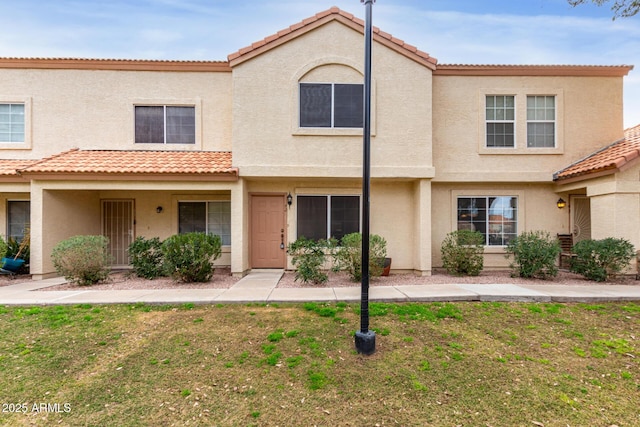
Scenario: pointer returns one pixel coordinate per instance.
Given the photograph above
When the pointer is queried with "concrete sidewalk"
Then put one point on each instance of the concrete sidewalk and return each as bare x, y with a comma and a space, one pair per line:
260, 286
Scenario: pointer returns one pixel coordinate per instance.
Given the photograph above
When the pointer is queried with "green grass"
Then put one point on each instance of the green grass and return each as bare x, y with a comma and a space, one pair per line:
436, 364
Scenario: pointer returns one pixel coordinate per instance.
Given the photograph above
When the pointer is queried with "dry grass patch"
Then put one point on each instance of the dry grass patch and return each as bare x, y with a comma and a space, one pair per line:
499, 364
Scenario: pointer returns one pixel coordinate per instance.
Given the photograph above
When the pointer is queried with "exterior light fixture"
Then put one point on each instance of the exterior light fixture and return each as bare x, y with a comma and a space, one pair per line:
289, 199
561, 203
159, 209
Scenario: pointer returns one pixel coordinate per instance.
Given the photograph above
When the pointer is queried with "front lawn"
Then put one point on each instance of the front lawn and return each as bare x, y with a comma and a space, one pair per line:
439, 364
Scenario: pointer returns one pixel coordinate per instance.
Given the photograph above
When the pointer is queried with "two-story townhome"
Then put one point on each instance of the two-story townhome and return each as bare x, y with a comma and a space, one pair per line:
267, 146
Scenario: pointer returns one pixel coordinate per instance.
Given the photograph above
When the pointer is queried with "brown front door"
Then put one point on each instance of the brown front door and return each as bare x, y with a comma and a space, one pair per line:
267, 231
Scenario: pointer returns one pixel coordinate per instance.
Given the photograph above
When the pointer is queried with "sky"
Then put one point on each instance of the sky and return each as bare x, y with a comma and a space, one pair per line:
452, 31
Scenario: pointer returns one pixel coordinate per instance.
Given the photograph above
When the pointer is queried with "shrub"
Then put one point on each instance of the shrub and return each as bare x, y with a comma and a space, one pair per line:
462, 252
601, 259
82, 259
18, 249
348, 255
146, 257
189, 257
534, 255
309, 256
4, 247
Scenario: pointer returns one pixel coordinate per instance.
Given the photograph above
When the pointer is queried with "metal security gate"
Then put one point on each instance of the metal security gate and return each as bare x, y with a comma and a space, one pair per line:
117, 226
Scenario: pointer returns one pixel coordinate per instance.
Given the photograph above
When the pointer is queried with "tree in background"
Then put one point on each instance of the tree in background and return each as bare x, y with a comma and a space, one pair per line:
620, 8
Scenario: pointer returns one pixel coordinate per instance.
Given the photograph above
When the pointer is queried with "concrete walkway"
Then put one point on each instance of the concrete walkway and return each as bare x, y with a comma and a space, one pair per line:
260, 286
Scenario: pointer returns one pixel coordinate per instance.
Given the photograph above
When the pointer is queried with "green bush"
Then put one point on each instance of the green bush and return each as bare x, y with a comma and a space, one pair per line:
82, 259
462, 253
17, 248
3, 248
189, 257
146, 257
534, 255
601, 259
309, 257
348, 255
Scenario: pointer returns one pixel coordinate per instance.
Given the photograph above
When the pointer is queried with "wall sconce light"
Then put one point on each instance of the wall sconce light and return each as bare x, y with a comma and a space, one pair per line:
159, 209
289, 199
561, 203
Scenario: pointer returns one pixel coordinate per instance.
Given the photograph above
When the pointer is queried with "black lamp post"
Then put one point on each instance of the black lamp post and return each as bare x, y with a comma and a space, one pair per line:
366, 339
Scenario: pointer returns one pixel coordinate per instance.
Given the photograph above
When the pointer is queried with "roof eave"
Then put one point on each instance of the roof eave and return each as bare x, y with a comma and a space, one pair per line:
533, 70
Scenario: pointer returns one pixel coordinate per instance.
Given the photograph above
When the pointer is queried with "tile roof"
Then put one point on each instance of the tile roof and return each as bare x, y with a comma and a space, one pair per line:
608, 160
9, 167
136, 162
320, 19
115, 64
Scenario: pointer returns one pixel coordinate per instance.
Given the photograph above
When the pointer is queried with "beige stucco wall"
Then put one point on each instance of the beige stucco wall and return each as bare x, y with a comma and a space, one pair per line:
268, 141
537, 210
94, 109
589, 117
393, 209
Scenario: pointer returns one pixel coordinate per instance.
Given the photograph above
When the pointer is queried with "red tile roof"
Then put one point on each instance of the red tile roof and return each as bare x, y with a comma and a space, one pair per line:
9, 168
606, 161
320, 19
135, 162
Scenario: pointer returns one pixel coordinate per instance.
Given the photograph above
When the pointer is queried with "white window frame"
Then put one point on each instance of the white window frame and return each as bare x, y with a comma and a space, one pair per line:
333, 104
544, 121
26, 142
501, 121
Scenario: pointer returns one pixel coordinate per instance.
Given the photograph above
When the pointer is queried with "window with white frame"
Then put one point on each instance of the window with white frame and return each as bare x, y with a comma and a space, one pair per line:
323, 217
165, 124
12, 119
331, 105
206, 217
541, 121
18, 219
500, 121
496, 217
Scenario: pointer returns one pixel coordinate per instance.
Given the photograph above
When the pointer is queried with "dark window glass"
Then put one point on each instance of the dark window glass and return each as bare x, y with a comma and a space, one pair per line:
348, 106
192, 217
315, 105
345, 215
181, 125
18, 218
312, 217
149, 125
495, 217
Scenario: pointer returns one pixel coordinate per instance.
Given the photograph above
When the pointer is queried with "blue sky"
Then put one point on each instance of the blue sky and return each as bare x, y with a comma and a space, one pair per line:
453, 31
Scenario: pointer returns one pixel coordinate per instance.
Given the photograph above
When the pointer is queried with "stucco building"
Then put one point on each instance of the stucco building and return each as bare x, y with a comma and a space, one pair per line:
267, 146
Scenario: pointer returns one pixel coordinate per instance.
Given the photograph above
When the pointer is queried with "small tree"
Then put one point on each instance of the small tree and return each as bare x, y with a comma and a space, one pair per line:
82, 259
462, 253
309, 256
534, 255
147, 258
189, 257
348, 255
600, 260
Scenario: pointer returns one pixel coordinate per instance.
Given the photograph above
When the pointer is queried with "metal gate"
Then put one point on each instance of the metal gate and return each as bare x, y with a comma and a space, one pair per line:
117, 226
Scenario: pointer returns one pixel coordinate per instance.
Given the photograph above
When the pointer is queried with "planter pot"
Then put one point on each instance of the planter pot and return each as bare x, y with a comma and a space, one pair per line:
12, 265
386, 266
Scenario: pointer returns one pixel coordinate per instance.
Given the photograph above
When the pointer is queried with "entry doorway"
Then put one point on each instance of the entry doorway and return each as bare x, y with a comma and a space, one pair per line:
580, 218
118, 227
268, 231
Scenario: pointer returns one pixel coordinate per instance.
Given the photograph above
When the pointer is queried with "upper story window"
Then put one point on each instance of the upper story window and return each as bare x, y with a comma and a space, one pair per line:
541, 121
501, 118
331, 105
12, 122
165, 124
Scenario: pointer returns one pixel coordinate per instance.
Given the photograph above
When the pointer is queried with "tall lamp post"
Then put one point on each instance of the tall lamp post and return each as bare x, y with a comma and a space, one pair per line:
366, 339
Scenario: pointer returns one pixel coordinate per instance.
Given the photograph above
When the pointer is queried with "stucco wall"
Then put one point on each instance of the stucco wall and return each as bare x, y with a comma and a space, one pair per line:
537, 210
94, 109
268, 141
589, 116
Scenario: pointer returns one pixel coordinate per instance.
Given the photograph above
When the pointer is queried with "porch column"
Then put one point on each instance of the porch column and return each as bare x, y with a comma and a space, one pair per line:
239, 229
422, 228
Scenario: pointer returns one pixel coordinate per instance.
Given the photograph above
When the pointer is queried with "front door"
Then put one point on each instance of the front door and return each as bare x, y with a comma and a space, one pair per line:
580, 218
267, 231
117, 226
